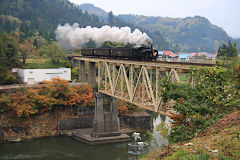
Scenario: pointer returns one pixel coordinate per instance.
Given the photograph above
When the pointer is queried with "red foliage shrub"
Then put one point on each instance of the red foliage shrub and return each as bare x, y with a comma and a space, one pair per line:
122, 108
51, 94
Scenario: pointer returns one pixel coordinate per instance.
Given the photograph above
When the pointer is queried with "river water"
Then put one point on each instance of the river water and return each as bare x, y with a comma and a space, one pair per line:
67, 148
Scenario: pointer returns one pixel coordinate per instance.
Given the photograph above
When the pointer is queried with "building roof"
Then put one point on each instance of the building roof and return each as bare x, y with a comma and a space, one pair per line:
173, 55
194, 54
167, 53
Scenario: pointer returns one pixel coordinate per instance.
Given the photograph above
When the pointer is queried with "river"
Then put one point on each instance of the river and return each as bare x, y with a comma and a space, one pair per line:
67, 148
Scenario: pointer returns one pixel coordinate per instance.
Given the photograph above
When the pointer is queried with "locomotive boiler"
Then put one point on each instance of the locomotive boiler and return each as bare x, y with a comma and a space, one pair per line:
137, 53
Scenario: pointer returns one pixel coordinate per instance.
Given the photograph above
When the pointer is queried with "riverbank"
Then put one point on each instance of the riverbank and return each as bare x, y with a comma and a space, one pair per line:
16, 129
220, 141
62, 121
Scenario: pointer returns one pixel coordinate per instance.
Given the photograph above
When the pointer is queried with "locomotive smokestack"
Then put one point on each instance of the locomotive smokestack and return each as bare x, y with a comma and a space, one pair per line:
70, 37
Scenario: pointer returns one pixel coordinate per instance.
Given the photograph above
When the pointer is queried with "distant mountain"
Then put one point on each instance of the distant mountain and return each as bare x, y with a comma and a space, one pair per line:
191, 33
42, 15
186, 34
90, 8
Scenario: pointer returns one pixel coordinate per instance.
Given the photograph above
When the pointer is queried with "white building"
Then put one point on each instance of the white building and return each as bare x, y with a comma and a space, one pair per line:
33, 76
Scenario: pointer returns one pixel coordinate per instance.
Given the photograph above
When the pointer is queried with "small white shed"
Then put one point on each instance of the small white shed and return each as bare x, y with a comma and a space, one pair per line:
34, 76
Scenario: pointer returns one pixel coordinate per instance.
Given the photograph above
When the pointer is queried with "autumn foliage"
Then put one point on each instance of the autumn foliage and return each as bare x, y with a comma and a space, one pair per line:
177, 118
125, 108
27, 48
57, 93
122, 108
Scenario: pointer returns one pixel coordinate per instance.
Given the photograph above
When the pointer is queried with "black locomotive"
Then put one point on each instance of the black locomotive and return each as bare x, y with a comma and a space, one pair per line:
139, 53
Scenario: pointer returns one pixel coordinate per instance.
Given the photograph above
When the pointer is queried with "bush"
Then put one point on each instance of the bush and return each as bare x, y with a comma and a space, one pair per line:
75, 72
7, 77
4, 103
57, 93
201, 105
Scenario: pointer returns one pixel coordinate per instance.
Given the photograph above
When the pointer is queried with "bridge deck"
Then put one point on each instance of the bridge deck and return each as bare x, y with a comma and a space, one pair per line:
176, 65
181, 65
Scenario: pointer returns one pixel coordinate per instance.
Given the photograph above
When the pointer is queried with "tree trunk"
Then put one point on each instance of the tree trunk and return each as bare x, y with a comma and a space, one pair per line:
24, 60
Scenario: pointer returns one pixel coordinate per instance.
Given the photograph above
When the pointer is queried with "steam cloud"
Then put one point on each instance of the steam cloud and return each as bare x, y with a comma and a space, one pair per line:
70, 37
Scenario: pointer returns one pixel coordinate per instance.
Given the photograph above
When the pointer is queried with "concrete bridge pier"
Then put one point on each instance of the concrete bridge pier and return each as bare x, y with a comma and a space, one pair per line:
98, 122
92, 74
106, 124
82, 71
74, 63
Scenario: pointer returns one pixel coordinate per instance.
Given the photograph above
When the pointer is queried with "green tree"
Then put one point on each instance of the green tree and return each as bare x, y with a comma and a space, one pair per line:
8, 51
108, 44
25, 32
54, 52
9, 23
38, 40
229, 50
235, 50
8, 58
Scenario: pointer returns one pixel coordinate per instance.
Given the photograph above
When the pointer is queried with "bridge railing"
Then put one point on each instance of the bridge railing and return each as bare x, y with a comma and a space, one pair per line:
197, 61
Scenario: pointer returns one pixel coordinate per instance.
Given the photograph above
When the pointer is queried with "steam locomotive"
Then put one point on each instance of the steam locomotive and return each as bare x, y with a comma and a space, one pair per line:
138, 53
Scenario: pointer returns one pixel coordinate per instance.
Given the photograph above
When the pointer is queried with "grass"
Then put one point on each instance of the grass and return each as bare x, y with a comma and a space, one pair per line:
229, 143
187, 155
37, 60
44, 63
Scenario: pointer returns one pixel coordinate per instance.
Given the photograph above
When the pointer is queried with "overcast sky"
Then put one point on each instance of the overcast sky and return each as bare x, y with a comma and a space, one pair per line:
224, 13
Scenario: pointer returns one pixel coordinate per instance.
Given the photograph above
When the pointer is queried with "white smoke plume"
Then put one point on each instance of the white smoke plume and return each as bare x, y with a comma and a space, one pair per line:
70, 37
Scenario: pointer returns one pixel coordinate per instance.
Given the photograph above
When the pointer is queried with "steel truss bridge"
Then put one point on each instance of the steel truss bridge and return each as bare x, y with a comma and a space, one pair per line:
136, 82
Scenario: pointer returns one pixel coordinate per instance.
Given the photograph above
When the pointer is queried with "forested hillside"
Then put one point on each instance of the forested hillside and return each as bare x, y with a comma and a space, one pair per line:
191, 33
43, 15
